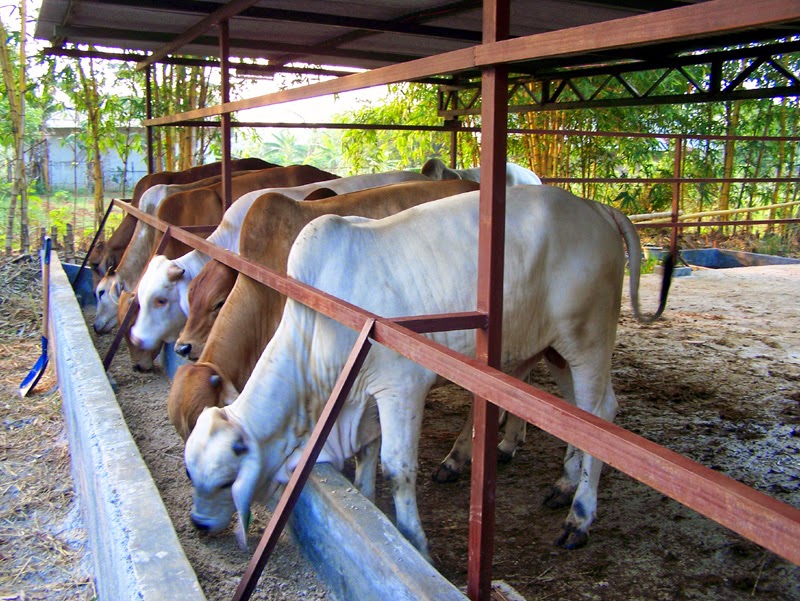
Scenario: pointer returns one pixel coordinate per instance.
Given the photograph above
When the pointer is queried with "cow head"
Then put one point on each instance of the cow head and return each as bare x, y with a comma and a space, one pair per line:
97, 262
207, 294
142, 360
194, 388
224, 465
161, 311
107, 295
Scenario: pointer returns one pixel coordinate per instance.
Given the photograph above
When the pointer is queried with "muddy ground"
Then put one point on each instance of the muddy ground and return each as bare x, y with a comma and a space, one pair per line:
717, 379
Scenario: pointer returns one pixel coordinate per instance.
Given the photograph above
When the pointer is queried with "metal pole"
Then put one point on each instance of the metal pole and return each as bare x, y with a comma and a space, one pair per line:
151, 161
225, 119
676, 197
491, 243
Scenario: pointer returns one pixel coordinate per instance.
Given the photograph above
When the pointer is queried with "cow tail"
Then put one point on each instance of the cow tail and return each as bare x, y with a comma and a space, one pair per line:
628, 231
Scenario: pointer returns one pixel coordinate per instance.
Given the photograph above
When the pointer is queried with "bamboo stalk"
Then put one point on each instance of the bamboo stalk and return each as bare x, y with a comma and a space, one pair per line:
688, 216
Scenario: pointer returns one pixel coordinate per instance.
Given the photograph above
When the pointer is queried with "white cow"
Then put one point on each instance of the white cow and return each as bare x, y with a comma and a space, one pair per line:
515, 175
564, 263
163, 289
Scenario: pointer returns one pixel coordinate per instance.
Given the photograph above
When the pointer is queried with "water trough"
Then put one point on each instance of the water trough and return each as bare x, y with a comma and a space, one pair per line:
136, 553
716, 258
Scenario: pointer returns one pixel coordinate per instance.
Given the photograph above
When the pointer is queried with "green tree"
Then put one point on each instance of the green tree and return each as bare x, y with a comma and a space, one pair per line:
14, 70
375, 150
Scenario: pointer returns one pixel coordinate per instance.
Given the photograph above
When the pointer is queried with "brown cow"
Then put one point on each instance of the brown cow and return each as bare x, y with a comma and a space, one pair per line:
207, 294
251, 314
107, 255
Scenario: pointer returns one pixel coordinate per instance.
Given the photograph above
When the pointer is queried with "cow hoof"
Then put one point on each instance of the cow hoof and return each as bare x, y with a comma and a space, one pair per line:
503, 457
557, 499
444, 474
572, 538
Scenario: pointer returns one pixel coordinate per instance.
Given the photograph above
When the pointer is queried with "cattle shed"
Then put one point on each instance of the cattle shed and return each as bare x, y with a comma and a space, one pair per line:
487, 47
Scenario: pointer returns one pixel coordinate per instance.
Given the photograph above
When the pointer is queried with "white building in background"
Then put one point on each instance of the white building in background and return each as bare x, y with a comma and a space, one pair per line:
69, 167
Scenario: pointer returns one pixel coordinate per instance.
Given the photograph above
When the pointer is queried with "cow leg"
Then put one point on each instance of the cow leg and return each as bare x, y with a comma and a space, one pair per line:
593, 393
459, 456
401, 422
366, 468
515, 427
560, 495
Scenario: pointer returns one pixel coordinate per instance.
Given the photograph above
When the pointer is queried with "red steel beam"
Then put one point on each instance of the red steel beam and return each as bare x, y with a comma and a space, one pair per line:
488, 341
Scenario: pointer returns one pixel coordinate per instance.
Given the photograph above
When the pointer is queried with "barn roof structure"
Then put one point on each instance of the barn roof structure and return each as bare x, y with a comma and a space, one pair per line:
364, 35
388, 41
335, 37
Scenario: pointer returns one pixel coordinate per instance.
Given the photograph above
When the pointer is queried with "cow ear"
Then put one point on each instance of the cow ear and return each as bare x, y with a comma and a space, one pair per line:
174, 273
215, 380
239, 447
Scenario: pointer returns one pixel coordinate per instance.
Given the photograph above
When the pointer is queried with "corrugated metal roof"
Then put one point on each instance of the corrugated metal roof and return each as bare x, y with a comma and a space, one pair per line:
352, 33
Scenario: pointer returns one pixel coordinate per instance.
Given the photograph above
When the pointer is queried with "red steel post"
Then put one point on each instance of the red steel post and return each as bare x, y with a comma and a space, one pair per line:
491, 243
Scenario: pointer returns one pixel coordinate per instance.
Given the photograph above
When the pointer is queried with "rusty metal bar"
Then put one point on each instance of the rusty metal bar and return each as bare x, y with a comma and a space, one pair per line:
449, 126
225, 119
97, 236
676, 196
672, 180
682, 224
488, 341
312, 449
122, 327
757, 516
423, 324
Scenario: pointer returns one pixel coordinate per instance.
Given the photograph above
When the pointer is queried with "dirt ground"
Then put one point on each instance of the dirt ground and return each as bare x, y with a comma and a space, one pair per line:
717, 379
43, 554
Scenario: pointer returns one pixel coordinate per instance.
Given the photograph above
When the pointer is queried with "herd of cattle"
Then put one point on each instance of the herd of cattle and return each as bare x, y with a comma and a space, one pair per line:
397, 244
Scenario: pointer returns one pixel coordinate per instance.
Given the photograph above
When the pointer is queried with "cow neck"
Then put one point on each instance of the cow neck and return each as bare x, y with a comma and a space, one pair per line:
192, 262
269, 406
242, 330
136, 256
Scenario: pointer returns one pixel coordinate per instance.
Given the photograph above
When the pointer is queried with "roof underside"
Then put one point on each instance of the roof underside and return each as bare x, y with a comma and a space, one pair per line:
353, 34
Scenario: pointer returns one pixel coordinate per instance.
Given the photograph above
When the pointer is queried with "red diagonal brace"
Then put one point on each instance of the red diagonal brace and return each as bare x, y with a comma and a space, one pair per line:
312, 450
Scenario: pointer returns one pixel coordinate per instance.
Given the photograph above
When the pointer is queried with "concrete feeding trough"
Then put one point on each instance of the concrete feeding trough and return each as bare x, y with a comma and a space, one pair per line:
81, 284
715, 258
136, 553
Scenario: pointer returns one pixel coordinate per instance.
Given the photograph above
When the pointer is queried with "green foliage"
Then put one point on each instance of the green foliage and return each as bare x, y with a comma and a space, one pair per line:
772, 244
365, 151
